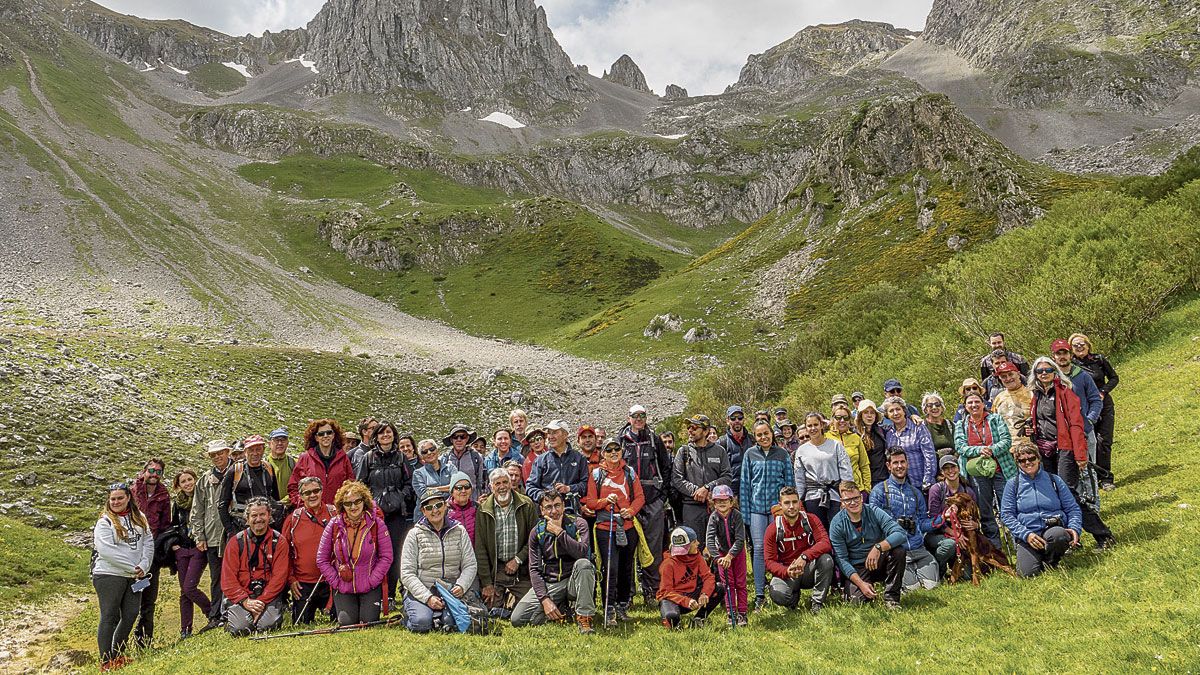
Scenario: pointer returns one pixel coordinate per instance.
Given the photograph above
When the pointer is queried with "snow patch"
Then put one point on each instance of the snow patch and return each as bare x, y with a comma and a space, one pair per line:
466, 109
671, 137
238, 67
147, 69
502, 34
181, 72
503, 119
311, 65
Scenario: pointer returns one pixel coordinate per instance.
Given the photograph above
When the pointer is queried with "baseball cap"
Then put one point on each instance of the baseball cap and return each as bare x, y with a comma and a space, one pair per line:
611, 443
699, 420
252, 441
681, 539
636, 409
432, 495
722, 492
781, 410
213, 447
557, 425
891, 384
281, 432
1007, 367
857, 396
586, 429
734, 409
1059, 344
947, 460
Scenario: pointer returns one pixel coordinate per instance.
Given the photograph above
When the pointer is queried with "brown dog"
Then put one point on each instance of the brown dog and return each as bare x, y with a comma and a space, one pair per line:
983, 555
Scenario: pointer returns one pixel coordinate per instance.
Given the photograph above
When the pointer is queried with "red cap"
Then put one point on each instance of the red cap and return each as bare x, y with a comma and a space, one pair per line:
1007, 367
253, 440
1059, 345
586, 429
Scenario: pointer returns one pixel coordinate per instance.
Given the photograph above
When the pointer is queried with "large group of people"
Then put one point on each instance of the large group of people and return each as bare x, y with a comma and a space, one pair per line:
554, 523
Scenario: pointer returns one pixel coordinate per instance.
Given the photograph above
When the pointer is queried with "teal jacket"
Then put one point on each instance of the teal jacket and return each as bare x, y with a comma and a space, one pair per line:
851, 546
1001, 445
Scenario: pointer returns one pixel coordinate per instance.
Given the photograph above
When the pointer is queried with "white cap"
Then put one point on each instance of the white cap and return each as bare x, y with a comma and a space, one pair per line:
558, 425
637, 409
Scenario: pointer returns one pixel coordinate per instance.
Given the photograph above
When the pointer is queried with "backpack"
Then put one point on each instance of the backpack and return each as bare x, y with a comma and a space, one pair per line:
294, 517
391, 499
779, 528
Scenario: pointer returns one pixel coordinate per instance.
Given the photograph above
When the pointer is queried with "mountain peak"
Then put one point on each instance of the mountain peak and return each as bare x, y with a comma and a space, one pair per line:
626, 73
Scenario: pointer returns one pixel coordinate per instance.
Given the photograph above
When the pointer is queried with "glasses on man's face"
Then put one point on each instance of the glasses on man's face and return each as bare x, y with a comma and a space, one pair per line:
895, 392
852, 500
1044, 371
433, 506
638, 416
309, 493
462, 488
458, 437
327, 432
737, 418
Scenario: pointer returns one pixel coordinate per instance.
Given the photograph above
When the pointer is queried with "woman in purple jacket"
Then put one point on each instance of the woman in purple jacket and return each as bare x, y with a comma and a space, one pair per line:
355, 555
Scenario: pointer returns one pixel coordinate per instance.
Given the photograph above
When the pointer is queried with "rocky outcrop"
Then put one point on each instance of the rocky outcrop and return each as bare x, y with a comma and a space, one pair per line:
1145, 154
822, 50
450, 54
1133, 55
627, 74
675, 92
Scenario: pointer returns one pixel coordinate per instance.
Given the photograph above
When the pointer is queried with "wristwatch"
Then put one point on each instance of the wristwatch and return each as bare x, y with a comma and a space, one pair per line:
877, 547
804, 558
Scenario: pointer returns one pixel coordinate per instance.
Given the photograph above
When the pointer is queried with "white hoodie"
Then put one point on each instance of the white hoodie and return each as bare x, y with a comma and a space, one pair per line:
118, 557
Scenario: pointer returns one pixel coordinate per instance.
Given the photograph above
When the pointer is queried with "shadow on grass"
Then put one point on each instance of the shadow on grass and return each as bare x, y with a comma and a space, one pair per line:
1126, 508
1150, 472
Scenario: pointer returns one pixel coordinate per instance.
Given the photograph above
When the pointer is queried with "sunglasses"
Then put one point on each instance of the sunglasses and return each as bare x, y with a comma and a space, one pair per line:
1044, 371
433, 506
616, 449
154, 471
802, 438
1078, 345
353, 502
737, 417
935, 404
1027, 460
462, 488
639, 416
458, 437
309, 493
428, 451
842, 418
118, 486
327, 432
894, 391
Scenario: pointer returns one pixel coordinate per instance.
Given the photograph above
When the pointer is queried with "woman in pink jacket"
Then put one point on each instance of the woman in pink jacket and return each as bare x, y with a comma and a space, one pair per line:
355, 555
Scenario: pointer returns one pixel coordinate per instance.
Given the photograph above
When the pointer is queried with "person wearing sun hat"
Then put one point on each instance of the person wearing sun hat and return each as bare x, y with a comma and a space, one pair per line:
205, 521
462, 457
686, 583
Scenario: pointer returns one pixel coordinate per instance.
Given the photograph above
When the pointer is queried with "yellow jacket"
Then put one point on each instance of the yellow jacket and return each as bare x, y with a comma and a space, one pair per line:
859, 462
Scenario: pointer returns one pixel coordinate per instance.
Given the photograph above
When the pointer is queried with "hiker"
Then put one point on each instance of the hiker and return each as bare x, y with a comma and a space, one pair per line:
281, 463
950, 482
255, 573
436, 549
820, 465
842, 431
249, 478
1058, 431
589, 445
324, 458
153, 499
386, 473
894, 389
535, 446
1013, 404
462, 457
366, 436
503, 450
699, 467
992, 384
206, 526
766, 468
433, 473
302, 530
462, 503
561, 468
124, 549
907, 506
514, 470
787, 430
1106, 380
941, 430
668, 441
688, 585
518, 421
189, 561
736, 441
645, 453
996, 342
983, 445
914, 439
615, 494
1090, 401
868, 546
560, 569
969, 386
725, 540
355, 555
797, 553
503, 522
1040, 511
874, 438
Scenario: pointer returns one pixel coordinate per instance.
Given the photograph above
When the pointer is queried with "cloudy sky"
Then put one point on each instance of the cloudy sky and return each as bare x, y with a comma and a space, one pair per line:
700, 44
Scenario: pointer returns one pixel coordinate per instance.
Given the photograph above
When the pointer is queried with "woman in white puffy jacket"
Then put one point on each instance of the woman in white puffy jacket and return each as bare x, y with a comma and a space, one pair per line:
124, 550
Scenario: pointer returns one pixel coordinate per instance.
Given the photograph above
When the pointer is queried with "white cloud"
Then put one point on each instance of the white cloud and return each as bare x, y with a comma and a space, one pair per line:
233, 17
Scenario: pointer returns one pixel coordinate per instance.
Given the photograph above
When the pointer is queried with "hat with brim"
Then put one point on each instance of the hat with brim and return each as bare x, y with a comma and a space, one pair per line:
253, 441
947, 460
456, 429
216, 447
866, 403
432, 495
534, 433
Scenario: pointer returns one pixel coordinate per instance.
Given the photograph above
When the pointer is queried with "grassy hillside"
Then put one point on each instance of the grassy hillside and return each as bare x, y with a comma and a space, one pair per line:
1080, 618
35, 564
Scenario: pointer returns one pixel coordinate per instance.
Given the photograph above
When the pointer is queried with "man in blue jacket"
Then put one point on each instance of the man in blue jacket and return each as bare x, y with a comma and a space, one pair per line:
906, 505
869, 547
561, 468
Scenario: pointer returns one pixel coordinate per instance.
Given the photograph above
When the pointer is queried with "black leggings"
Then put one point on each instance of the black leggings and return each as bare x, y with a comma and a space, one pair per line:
619, 579
397, 527
118, 610
355, 608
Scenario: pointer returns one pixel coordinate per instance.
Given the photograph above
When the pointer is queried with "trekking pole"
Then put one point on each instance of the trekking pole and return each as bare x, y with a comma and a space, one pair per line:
330, 630
311, 594
608, 564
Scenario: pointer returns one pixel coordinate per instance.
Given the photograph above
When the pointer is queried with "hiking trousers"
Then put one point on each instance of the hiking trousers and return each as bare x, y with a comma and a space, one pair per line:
580, 588
118, 610
653, 519
352, 608
1032, 562
239, 622
890, 571
1068, 470
671, 611
818, 575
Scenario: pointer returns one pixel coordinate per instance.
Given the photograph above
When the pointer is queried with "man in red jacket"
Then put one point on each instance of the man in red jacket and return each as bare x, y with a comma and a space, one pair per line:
302, 530
797, 553
686, 583
152, 497
254, 572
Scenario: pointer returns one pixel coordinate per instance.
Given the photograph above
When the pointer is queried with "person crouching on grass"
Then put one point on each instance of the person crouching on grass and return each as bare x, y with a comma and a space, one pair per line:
687, 584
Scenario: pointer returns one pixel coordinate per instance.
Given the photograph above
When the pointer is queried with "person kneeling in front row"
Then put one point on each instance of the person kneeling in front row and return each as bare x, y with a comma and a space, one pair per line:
868, 546
797, 553
1040, 511
686, 582
558, 543
254, 573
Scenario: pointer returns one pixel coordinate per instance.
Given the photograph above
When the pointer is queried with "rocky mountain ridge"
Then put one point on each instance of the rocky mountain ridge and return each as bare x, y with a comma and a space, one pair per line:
626, 73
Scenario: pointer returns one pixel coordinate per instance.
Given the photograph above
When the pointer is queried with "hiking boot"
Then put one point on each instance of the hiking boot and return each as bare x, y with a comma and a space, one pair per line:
649, 601
185, 634
742, 621
697, 622
1106, 544
610, 617
1108, 486
815, 608
760, 603
667, 624
212, 623
622, 611
892, 604
585, 625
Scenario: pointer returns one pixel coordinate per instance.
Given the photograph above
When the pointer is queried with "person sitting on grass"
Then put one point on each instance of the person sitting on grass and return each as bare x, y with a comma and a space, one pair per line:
437, 548
868, 546
1040, 511
797, 553
687, 584
560, 569
254, 573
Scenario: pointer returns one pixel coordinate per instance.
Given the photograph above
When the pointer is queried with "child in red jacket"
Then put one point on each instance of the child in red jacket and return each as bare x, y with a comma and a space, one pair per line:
687, 584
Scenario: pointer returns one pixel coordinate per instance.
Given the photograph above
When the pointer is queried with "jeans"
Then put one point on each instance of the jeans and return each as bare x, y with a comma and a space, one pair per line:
890, 571
419, 617
1032, 562
823, 513
580, 587
758, 528
190, 563
818, 575
1104, 438
118, 610
990, 491
352, 608
921, 569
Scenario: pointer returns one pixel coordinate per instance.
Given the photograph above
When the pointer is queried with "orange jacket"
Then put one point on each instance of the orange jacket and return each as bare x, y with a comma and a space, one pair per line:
614, 481
270, 565
301, 537
681, 575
